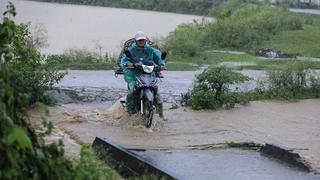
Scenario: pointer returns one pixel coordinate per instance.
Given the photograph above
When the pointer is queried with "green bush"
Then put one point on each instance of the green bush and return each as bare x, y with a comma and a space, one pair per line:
81, 59
24, 76
185, 39
249, 25
201, 99
211, 89
240, 24
226, 9
289, 81
29, 71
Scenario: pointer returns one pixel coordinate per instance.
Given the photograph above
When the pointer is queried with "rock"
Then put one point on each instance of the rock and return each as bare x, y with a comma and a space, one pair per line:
271, 53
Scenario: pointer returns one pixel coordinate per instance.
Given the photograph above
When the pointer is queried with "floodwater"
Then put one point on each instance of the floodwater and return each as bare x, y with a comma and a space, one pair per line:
223, 164
294, 125
104, 85
167, 143
78, 26
307, 11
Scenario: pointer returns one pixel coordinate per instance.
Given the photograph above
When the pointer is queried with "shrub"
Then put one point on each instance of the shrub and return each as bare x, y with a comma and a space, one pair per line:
185, 39
292, 81
211, 89
288, 82
80, 59
227, 8
249, 25
315, 85
29, 71
201, 99
24, 75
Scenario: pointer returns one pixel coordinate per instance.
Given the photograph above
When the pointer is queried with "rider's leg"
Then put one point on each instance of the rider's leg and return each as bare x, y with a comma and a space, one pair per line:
159, 106
129, 100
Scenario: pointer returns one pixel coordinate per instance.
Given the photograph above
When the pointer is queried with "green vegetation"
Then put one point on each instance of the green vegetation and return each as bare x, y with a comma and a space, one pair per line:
211, 89
304, 41
213, 58
245, 26
250, 25
200, 7
293, 81
24, 76
290, 81
81, 59
181, 66
277, 64
241, 28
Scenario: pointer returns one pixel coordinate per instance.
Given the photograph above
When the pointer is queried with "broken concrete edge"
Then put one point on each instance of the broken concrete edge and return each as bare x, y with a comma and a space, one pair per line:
228, 144
129, 164
286, 155
278, 152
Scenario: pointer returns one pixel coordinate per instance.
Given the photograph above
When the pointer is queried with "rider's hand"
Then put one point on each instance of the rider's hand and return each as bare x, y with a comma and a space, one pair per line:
130, 65
162, 68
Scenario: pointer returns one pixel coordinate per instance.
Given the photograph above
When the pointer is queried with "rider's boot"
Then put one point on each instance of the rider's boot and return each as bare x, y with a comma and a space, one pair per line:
160, 111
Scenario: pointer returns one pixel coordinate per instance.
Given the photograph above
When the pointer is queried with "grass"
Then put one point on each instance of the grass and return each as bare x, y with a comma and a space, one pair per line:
305, 42
279, 64
181, 66
212, 57
87, 66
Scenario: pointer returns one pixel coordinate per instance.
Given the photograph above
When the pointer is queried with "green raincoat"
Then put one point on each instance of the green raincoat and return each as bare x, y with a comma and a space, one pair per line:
147, 53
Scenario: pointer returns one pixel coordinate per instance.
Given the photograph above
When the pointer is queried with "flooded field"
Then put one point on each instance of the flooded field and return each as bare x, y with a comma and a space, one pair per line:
75, 26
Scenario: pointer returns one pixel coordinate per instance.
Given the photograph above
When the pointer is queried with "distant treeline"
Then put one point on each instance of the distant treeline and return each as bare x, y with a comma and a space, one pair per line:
199, 7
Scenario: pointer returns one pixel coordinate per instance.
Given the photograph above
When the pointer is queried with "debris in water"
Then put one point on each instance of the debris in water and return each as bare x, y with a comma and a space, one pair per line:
79, 118
66, 113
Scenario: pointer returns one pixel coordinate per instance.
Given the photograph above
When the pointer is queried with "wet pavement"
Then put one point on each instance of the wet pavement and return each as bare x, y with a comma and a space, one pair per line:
91, 86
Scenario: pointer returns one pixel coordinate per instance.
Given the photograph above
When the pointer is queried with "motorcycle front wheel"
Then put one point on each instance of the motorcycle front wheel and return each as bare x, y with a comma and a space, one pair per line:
148, 112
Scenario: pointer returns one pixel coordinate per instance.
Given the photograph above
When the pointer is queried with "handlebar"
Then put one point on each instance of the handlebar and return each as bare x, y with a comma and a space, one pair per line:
157, 68
139, 64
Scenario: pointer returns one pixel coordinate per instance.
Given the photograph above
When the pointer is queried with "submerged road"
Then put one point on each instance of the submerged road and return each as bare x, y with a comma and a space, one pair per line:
294, 125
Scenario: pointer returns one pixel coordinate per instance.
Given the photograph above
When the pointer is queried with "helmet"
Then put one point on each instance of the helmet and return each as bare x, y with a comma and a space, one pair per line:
140, 35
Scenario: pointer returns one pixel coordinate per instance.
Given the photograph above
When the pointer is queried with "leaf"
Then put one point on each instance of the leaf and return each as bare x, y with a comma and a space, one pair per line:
19, 136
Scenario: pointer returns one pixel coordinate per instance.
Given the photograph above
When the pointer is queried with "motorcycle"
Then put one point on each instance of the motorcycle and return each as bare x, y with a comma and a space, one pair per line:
146, 89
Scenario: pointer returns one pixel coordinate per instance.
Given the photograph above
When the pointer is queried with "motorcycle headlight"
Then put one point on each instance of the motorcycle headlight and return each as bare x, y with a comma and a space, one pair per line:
147, 69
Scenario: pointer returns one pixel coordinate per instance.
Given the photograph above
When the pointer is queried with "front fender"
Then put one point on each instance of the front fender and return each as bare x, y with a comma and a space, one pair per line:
147, 94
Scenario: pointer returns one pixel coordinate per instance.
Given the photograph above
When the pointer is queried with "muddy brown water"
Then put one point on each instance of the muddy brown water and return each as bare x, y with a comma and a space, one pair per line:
104, 86
92, 27
294, 125
224, 164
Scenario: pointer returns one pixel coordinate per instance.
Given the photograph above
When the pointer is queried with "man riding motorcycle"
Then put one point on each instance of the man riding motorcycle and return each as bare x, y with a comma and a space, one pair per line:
140, 51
